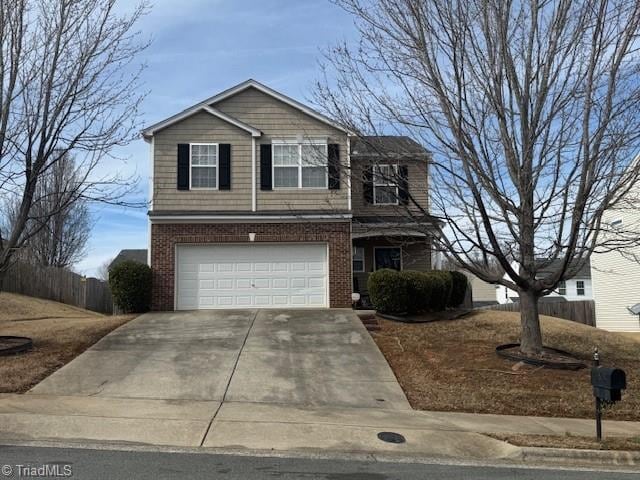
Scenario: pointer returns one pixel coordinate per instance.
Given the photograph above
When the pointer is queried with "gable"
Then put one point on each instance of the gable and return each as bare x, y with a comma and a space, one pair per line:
253, 85
273, 116
253, 102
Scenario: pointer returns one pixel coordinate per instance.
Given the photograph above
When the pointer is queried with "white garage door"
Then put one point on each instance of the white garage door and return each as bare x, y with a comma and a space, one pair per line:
253, 275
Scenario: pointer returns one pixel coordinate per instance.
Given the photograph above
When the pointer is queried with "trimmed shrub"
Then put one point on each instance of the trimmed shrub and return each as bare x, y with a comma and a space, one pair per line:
420, 290
458, 289
130, 284
389, 291
442, 285
410, 291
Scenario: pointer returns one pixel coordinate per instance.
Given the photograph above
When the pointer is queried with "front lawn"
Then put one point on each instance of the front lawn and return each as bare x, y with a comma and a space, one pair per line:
452, 366
59, 332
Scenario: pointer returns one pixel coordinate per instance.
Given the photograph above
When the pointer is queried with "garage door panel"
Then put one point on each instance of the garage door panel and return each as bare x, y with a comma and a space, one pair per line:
279, 283
228, 276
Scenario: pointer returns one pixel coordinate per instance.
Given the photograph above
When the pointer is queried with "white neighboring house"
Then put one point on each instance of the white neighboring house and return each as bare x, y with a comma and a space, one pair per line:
616, 276
578, 287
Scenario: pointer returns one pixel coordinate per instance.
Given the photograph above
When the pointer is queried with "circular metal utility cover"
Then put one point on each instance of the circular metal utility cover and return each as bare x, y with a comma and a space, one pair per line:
391, 437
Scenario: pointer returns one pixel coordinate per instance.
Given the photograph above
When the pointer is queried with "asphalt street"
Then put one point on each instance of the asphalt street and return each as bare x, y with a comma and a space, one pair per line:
37, 462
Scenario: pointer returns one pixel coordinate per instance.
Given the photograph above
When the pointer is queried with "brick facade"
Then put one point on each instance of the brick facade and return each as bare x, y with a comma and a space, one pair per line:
165, 237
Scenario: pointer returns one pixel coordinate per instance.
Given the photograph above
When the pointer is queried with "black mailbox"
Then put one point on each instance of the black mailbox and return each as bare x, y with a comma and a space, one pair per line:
607, 383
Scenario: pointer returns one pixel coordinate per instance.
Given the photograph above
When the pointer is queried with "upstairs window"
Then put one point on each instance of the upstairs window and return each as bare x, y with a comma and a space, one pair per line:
300, 165
562, 288
204, 165
385, 187
580, 288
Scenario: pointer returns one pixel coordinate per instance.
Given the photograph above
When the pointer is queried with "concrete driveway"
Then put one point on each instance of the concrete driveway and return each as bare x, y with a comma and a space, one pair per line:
297, 357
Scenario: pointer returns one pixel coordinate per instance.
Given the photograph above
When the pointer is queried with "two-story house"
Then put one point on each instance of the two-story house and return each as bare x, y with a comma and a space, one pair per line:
259, 201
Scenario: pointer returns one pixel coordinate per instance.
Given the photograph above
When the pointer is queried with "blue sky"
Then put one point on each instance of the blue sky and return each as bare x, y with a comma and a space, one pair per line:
200, 47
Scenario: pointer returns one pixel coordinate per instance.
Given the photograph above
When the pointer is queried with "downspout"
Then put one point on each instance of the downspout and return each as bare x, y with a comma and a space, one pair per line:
253, 174
152, 153
348, 173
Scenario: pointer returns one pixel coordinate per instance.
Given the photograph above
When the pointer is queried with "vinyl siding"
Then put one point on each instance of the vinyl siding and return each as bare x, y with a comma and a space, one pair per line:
278, 120
418, 188
616, 280
201, 128
481, 291
572, 290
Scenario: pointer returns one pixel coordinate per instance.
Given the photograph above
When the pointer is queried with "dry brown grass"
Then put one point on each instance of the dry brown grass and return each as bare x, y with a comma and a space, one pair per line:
59, 333
569, 441
633, 335
452, 366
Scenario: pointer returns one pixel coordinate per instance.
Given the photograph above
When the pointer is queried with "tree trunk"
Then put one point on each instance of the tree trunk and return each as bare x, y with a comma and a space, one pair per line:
531, 340
3, 273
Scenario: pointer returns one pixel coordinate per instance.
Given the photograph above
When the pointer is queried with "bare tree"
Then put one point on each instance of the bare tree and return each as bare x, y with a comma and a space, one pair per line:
57, 234
103, 270
67, 83
531, 112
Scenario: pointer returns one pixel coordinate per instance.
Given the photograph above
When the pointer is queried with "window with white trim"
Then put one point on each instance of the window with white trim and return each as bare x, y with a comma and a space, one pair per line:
203, 159
300, 165
358, 259
562, 287
580, 288
385, 187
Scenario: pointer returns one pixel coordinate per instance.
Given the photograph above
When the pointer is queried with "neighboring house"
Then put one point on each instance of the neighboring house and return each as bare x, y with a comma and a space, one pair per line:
254, 204
137, 255
482, 293
616, 276
576, 288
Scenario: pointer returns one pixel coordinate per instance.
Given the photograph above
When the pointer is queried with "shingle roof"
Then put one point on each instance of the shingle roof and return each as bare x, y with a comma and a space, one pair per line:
583, 272
137, 255
386, 144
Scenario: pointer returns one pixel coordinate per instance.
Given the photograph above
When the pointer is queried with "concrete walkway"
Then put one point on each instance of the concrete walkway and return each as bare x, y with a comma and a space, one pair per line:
273, 427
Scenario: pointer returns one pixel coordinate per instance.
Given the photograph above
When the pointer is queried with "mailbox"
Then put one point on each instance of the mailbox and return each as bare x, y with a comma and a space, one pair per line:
607, 383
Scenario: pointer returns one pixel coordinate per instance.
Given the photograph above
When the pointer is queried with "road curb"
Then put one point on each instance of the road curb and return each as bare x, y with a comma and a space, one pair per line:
536, 458
560, 456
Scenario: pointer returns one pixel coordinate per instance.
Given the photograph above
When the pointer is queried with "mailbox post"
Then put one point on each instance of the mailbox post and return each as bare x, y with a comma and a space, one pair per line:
607, 384
596, 364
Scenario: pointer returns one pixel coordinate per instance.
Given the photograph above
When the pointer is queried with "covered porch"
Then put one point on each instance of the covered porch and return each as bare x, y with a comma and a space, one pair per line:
375, 248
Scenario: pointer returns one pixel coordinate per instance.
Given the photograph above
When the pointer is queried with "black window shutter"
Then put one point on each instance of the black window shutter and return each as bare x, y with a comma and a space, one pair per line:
367, 184
183, 166
224, 162
334, 166
403, 185
265, 167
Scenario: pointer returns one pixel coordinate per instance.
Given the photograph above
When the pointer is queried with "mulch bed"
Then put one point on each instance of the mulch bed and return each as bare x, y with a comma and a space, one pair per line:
13, 345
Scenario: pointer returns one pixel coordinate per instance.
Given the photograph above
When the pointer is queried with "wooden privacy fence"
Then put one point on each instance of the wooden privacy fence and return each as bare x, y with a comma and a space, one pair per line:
60, 285
581, 311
